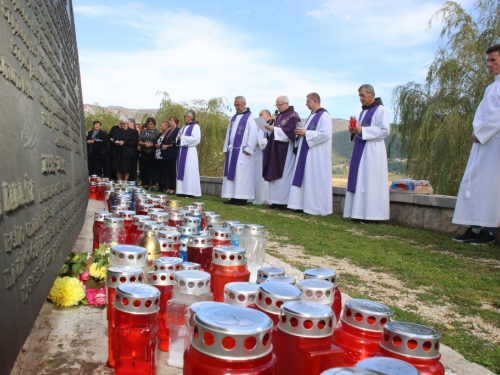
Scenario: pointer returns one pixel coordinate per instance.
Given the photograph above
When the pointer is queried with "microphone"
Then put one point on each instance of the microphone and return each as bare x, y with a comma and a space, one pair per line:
272, 120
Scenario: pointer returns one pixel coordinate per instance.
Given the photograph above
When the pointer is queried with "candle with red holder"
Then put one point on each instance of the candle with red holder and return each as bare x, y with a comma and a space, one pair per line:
167, 247
321, 291
330, 275
98, 224
221, 236
127, 217
175, 219
136, 219
388, 366
241, 294
93, 190
142, 208
160, 217
199, 250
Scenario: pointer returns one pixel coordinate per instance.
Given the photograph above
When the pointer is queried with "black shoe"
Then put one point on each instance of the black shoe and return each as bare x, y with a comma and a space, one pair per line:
468, 236
240, 202
230, 201
280, 206
483, 238
297, 211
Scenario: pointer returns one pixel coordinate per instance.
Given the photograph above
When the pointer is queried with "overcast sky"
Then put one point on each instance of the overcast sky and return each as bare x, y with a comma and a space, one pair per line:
196, 49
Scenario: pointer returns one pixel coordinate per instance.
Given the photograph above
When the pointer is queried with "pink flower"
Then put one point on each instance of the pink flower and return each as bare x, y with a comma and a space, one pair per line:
96, 297
84, 276
90, 294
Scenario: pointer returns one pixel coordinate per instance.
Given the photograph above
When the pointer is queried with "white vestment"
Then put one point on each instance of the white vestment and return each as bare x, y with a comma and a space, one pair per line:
190, 185
243, 185
261, 185
371, 199
478, 200
315, 195
279, 190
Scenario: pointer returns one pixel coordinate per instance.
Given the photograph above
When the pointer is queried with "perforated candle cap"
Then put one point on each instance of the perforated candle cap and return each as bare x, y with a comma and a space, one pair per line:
272, 295
166, 244
199, 205
232, 332
197, 211
200, 241
141, 225
190, 266
136, 298
411, 340
121, 275
283, 279
168, 263
227, 223
176, 216
159, 217
221, 234
188, 231
264, 273
306, 319
127, 215
145, 206
191, 221
154, 209
113, 222
366, 315
255, 229
326, 274
160, 278
316, 290
170, 234
228, 255
240, 293
189, 207
237, 229
153, 227
127, 255
100, 215
388, 366
212, 218
138, 218
350, 371
162, 197
196, 307
192, 282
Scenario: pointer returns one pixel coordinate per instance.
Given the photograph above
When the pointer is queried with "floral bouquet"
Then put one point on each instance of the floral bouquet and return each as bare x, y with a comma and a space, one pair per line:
81, 279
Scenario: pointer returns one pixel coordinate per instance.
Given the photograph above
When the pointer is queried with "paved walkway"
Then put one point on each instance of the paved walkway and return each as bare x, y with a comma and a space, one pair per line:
73, 340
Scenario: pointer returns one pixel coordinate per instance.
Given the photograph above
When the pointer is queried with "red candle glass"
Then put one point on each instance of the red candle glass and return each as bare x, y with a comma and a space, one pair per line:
330, 275
204, 218
230, 340
228, 265
142, 208
101, 187
241, 294
136, 329
173, 235
199, 250
98, 224
175, 219
221, 236
303, 341
359, 331
412, 343
127, 217
352, 122
93, 190
167, 248
116, 276
160, 217
136, 219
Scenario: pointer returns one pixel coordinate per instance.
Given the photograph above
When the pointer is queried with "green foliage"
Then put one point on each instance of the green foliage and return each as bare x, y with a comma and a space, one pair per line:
107, 118
435, 118
213, 123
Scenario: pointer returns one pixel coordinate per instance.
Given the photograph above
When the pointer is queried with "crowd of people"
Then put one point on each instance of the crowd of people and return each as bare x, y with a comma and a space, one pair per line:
278, 161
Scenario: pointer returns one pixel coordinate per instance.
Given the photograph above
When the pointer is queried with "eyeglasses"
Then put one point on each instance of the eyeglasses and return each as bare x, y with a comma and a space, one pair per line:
279, 105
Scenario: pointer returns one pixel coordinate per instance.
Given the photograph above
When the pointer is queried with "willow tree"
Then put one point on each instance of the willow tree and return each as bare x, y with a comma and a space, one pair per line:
211, 114
435, 118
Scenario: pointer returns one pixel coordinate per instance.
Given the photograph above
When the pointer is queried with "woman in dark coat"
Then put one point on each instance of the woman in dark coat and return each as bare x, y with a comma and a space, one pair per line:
125, 141
166, 155
97, 144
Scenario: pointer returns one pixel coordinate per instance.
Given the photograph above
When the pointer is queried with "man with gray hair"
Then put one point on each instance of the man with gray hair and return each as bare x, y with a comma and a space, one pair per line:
188, 172
238, 183
367, 195
279, 157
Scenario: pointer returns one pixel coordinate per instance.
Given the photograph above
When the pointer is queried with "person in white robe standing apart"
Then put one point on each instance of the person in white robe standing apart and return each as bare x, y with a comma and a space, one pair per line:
367, 195
188, 173
478, 201
261, 185
311, 190
238, 183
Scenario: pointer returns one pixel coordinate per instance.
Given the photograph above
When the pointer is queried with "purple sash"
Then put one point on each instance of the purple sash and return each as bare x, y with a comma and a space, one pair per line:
357, 152
232, 157
298, 177
182, 156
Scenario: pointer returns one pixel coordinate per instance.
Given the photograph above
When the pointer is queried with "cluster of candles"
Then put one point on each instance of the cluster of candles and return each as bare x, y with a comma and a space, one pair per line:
183, 281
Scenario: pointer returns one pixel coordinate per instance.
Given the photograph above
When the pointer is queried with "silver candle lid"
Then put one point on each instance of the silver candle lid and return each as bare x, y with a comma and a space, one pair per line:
366, 315
306, 319
232, 332
188, 231
166, 245
136, 298
144, 207
160, 278
127, 215
206, 213
199, 205
153, 227
350, 371
100, 215
263, 273
283, 279
411, 340
237, 229
170, 234
141, 225
197, 211
200, 241
154, 201
113, 222
190, 266
316, 290
272, 295
189, 207
228, 255
121, 275
220, 234
162, 197
192, 282
227, 223
176, 216
191, 221
326, 274
388, 366
168, 264
240, 293
254, 229
196, 307
159, 217
127, 255
212, 219
154, 209
138, 218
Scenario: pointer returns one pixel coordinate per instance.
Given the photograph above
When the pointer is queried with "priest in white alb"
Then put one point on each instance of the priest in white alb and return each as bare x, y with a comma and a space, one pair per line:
367, 195
311, 190
238, 183
261, 185
188, 173
478, 201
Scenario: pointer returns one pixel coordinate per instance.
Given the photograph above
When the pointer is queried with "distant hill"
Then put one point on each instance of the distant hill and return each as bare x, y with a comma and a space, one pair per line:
122, 112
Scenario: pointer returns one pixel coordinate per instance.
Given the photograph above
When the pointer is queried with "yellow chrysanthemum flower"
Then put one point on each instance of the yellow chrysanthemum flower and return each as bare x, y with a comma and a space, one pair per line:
97, 272
66, 291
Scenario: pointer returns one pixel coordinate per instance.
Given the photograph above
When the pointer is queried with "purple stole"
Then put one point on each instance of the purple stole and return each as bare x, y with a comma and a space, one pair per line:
357, 152
181, 156
232, 157
298, 177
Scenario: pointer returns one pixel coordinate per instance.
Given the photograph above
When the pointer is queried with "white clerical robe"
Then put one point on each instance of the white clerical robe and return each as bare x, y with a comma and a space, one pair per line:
371, 199
190, 185
478, 200
279, 190
243, 185
261, 185
315, 195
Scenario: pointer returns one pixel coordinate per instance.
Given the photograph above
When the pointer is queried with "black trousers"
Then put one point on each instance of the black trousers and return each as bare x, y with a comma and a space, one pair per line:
166, 174
148, 168
171, 173
96, 166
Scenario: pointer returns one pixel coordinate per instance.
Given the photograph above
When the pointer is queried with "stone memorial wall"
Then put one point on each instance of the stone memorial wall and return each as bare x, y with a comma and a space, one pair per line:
43, 180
